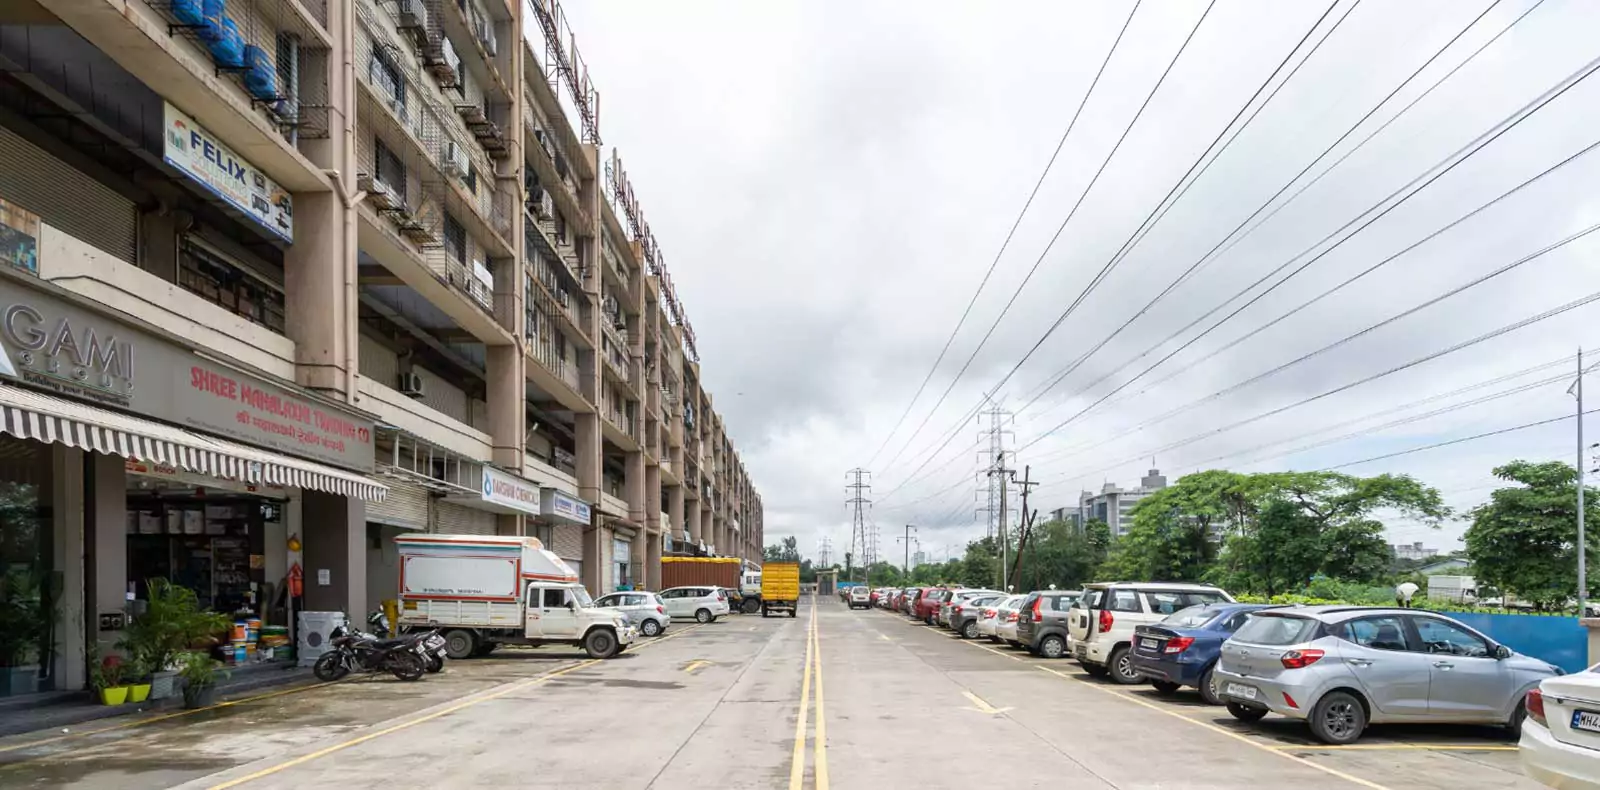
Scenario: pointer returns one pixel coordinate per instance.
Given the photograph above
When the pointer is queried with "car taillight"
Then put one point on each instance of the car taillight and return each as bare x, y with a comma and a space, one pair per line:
955, 610
1178, 644
1106, 620
1535, 706
988, 613
661, 610
1038, 616
1011, 617
721, 596
1300, 659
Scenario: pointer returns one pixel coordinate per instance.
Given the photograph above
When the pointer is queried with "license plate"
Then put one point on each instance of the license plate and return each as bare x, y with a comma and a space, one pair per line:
1586, 720
1237, 690
435, 641
1149, 644
441, 653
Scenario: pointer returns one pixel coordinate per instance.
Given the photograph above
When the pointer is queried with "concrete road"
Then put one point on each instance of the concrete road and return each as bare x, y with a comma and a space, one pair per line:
833, 698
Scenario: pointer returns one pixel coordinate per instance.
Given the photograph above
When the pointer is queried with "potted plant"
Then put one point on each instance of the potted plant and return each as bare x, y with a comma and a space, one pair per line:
199, 672
170, 624
105, 677
138, 679
24, 618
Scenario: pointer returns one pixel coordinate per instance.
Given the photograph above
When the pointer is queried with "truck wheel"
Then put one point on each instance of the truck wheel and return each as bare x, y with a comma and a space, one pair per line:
460, 643
703, 616
751, 606
765, 612
794, 610
600, 643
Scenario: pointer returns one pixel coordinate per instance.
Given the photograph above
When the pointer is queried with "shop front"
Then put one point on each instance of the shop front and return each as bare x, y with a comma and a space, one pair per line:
561, 523
127, 456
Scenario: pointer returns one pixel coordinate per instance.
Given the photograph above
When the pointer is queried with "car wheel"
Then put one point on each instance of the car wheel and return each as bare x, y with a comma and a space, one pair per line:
600, 643
703, 616
460, 643
1095, 670
1208, 687
650, 628
995, 639
1514, 726
751, 606
1165, 688
1338, 718
1122, 670
1052, 647
970, 630
1245, 713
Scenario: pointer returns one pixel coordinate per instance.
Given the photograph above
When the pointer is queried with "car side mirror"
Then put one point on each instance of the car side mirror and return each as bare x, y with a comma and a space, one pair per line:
572, 605
1501, 652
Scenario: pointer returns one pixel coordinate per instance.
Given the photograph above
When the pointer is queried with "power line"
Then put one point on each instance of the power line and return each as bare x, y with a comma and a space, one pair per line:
1462, 440
1009, 234
1459, 156
1059, 230
1112, 263
1213, 253
1330, 291
1367, 379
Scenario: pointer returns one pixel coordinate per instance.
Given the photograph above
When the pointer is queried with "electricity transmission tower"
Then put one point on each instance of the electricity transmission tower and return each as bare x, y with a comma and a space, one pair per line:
859, 504
995, 457
824, 552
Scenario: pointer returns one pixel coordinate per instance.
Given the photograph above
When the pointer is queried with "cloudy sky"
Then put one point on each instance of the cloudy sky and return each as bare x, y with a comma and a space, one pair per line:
830, 182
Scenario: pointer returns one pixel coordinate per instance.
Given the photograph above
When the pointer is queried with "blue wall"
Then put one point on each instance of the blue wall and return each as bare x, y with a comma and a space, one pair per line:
1558, 640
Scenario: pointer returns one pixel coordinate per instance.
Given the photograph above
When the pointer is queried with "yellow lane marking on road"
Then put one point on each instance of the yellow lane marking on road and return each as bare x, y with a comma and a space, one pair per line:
820, 744
797, 763
696, 665
981, 705
1380, 747
503, 691
1223, 732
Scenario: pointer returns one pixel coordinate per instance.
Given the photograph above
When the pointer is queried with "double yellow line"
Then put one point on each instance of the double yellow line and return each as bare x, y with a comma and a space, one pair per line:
819, 740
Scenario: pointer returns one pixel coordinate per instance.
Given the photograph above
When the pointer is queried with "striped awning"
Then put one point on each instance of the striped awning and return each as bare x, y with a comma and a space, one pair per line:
31, 415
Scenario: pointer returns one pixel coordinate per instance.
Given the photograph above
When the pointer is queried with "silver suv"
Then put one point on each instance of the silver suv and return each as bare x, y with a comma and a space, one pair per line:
1341, 668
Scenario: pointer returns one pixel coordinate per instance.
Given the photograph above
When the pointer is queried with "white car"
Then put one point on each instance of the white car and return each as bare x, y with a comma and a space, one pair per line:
1005, 622
702, 604
990, 618
644, 609
860, 598
1560, 743
1100, 624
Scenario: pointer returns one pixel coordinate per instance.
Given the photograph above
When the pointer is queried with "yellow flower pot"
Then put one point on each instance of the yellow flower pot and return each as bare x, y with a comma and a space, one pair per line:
115, 695
139, 692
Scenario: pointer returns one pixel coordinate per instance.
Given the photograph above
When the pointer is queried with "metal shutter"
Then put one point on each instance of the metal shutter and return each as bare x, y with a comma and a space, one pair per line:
453, 519
566, 541
405, 507
66, 198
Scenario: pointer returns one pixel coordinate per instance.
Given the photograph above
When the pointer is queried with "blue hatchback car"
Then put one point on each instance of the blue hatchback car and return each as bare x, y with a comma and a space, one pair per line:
1182, 649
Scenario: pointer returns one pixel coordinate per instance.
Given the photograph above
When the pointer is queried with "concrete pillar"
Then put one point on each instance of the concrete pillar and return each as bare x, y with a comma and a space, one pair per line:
66, 500
691, 519
675, 511
105, 521
708, 526
594, 558
643, 578
587, 449
634, 484
506, 392
652, 560
334, 540
319, 293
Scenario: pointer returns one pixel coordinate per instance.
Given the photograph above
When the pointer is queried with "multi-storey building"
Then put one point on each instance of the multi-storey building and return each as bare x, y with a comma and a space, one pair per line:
286, 278
1114, 504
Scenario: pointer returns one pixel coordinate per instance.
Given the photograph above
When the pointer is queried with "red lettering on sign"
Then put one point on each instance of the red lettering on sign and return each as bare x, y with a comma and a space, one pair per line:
212, 382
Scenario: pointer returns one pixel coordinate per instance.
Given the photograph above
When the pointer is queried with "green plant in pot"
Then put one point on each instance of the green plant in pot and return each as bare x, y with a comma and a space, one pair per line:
106, 677
137, 674
171, 623
24, 619
199, 672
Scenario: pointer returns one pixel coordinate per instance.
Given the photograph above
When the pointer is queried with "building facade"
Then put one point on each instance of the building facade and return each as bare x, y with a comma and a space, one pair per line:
286, 278
1114, 504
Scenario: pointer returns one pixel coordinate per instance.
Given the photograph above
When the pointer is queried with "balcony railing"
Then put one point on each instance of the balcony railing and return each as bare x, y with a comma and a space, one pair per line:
545, 353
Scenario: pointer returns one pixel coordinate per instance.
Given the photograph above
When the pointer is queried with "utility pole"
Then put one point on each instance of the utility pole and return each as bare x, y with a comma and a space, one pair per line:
859, 487
907, 540
1003, 475
1583, 577
1028, 517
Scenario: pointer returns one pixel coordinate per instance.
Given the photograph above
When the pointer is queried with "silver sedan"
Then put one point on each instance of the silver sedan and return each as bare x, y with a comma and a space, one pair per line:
644, 610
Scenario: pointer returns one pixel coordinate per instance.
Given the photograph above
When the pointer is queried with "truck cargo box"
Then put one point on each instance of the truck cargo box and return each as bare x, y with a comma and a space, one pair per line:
701, 572
780, 581
474, 567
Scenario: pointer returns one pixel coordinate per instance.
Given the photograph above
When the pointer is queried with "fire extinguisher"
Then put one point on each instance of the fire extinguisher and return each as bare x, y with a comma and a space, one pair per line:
296, 580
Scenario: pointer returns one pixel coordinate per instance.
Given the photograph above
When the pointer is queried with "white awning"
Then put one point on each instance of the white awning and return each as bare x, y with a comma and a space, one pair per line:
31, 415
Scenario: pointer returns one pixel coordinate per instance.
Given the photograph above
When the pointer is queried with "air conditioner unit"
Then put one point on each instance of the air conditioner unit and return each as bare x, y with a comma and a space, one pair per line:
413, 20
455, 161
378, 193
411, 384
485, 31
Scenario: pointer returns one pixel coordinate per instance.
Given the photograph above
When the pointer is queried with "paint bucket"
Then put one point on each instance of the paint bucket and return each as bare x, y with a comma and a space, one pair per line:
253, 629
241, 632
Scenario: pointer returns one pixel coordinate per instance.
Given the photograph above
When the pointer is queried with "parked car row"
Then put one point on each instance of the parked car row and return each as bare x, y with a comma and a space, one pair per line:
1338, 668
652, 612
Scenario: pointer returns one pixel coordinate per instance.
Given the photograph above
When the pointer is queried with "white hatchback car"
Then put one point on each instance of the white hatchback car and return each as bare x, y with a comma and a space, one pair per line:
703, 604
1005, 621
644, 610
1101, 622
993, 614
1560, 743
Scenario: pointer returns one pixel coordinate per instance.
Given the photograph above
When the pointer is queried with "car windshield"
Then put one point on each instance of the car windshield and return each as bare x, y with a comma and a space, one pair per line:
1269, 629
1012, 602
582, 597
1192, 617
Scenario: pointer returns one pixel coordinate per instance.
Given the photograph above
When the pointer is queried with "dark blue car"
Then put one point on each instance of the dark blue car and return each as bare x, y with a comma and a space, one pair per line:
1182, 649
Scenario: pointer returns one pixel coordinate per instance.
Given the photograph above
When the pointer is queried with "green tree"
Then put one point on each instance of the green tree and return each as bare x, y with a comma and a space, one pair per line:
1170, 539
1281, 552
1060, 554
1524, 540
786, 550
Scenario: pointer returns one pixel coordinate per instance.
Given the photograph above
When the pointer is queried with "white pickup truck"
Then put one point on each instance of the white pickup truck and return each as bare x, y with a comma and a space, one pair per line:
482, 591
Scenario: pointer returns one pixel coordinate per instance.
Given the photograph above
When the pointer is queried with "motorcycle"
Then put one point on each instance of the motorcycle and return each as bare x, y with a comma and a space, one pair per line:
430, 643
353, 651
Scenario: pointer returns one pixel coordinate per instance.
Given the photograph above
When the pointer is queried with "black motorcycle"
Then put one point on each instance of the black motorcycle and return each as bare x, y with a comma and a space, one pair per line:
352, 651
430, 643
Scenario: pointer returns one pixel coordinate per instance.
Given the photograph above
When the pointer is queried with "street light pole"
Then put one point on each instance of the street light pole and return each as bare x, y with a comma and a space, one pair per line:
1583, 578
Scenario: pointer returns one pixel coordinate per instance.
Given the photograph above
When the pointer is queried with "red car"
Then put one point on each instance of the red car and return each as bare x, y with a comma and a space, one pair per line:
927, 604
872, 597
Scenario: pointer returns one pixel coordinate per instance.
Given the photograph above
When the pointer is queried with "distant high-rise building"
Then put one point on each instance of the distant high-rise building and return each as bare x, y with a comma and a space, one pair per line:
1113, 504
919, 558
1413, 551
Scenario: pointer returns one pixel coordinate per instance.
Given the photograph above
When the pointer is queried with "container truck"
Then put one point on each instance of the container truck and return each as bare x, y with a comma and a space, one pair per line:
482, 591
780, 588
741, 579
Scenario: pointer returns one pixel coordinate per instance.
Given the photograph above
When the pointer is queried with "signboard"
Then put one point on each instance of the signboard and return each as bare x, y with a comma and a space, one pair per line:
53, 344
187, 146
19, 237
557, 505
509, 491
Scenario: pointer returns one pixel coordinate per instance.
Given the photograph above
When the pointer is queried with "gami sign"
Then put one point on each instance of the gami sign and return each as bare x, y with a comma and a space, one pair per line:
555, 504
187, 146
510, 492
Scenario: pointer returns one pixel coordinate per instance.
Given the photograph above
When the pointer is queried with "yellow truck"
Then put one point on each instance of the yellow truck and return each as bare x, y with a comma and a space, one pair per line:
780, 588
